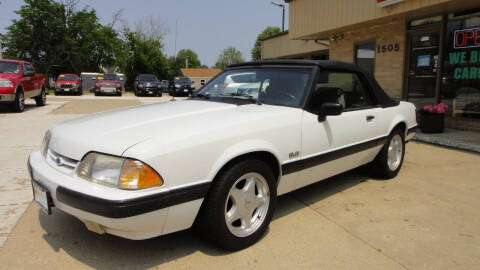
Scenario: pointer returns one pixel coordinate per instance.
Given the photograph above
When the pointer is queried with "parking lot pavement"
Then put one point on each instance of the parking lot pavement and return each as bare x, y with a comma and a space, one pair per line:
425, 218
22, 133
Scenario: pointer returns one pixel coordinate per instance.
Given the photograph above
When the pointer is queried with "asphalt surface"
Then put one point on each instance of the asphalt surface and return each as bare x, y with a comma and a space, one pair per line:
425, 218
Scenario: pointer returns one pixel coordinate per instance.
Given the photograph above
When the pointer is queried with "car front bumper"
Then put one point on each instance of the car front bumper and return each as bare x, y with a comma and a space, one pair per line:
134, 215
7, 97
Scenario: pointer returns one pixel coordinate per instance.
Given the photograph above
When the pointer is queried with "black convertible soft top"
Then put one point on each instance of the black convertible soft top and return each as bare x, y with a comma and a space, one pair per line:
382, 98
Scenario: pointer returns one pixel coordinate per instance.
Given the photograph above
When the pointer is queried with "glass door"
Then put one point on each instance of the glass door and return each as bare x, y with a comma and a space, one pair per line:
423, 64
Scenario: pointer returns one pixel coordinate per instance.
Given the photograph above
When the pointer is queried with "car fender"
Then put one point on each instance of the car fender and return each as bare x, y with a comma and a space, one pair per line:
239, 149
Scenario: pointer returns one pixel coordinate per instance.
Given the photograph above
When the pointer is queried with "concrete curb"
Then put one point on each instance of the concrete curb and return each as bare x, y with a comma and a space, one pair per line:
446, 142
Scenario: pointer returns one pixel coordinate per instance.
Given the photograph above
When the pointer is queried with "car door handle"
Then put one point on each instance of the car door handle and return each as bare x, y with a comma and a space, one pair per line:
370, 118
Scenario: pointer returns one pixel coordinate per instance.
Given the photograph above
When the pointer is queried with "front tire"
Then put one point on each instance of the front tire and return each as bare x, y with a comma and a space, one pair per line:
19, 103
41, 100
389, 161
239, 205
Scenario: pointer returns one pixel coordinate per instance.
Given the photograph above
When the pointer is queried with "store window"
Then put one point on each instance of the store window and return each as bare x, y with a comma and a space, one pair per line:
365, 56
460, 87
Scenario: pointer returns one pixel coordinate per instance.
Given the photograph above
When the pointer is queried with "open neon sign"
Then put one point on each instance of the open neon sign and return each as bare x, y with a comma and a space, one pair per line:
467, 38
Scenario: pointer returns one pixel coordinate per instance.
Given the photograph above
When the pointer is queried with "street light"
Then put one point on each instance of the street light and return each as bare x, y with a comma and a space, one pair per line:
283, 13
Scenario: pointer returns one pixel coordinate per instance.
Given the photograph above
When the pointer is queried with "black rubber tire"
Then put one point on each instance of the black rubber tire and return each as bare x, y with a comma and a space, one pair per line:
97, 94
380, 164
211, 221
119, 94
41, 100
56, 93
19, 104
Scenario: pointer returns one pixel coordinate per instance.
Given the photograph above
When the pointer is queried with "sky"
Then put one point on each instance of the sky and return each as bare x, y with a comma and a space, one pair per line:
205, 26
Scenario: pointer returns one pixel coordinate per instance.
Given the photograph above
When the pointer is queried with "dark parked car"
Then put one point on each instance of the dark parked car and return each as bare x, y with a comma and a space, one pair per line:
147, 84
181, 86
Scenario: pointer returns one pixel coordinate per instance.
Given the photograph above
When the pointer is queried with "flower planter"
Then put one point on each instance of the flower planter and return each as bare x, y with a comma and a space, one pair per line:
431, 122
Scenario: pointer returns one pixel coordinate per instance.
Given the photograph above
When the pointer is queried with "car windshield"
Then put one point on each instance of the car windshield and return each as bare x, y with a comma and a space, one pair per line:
107, 77
183, 81
67, 78
274, 86
9, 67
147, 77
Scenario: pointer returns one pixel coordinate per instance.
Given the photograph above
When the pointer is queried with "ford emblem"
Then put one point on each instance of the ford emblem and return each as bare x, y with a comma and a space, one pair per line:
58, 161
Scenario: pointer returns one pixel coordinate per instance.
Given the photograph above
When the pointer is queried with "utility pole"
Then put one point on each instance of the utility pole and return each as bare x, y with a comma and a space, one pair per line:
283, 13
186, 62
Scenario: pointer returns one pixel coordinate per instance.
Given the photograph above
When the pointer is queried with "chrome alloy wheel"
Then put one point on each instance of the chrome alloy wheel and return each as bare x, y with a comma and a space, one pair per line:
247, 204
21, 101
395, 152
44, 96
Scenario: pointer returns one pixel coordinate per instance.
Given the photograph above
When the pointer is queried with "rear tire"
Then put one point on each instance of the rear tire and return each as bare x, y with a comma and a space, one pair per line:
41, 100
97, 94
245, 194
389, 161
19, 103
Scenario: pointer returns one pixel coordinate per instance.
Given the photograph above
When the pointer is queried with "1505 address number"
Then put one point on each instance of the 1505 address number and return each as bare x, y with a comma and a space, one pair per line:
392, 47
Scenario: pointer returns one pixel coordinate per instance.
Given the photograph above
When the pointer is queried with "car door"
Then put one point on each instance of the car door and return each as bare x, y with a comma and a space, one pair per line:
28, 80
338, 143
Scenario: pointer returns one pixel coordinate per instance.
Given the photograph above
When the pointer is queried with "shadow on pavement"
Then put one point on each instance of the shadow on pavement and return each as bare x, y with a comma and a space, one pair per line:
110, 252
5, 108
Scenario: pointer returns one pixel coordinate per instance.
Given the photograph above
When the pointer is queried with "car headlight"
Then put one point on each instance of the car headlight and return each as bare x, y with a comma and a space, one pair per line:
123, 173
5, 83
177, 85
46, 142
140, 86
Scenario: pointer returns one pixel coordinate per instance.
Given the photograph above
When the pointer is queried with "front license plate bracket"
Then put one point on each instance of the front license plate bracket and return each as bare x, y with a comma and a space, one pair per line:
42, 197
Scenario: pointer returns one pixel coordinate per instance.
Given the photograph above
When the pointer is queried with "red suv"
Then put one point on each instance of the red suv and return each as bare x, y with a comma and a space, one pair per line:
108, 84
68, 84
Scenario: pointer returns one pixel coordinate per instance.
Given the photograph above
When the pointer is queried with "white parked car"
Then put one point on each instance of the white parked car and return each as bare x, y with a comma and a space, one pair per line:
219, 160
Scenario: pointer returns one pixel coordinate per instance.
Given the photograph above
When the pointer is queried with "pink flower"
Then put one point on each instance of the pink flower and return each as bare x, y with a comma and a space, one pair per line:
437, 108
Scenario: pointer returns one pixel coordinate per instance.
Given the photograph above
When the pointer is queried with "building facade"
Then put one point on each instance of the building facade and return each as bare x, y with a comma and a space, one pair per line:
200, 76
423, 51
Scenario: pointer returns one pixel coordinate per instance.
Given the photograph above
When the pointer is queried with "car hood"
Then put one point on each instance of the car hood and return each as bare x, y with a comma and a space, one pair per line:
10, 76
113, 132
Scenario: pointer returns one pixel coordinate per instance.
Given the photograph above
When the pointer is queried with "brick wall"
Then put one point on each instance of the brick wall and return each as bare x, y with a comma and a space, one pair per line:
389, 66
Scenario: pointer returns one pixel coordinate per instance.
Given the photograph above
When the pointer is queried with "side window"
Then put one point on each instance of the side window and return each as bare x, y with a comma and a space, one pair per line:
26, 68
340, 87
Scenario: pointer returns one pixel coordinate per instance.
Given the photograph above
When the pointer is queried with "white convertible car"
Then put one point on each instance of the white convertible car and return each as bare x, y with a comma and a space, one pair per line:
219, 160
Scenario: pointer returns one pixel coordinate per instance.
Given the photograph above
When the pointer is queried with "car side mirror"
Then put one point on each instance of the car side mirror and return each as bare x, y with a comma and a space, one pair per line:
329, 108
29, 73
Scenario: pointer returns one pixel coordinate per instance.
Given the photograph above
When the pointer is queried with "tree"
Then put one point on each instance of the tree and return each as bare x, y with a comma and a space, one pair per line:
142, 56
179, 62
229, 56
257, 48
193, 61
56, 35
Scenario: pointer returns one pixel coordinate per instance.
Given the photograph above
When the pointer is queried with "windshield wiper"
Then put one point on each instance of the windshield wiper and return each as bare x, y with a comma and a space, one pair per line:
250, 97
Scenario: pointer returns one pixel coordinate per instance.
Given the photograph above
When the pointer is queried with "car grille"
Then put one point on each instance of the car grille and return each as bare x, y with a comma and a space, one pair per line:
107, 84
66, 85
60, 162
